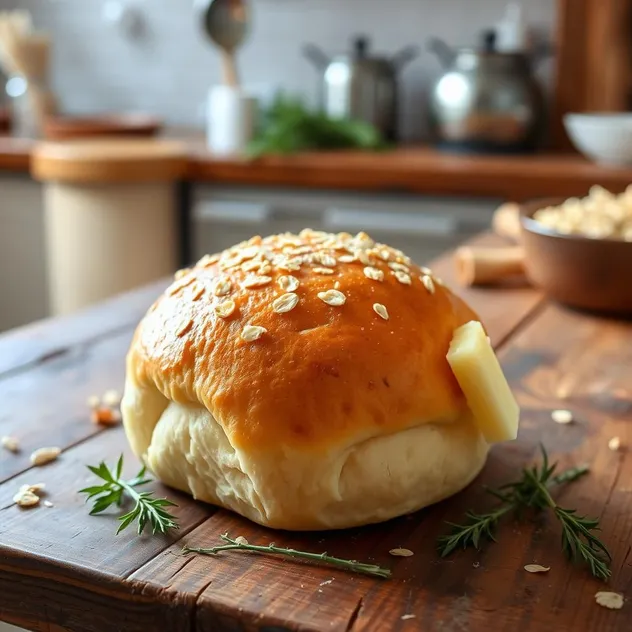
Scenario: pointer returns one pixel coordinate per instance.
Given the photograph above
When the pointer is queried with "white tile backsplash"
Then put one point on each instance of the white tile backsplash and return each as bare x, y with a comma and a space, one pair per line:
169, 69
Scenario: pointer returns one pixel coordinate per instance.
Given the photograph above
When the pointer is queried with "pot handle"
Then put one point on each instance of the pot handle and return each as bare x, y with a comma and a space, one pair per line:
445, 54
401, 58
316, 56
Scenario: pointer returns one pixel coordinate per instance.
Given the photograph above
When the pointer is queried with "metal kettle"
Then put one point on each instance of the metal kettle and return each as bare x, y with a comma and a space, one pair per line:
361, 86
485, 100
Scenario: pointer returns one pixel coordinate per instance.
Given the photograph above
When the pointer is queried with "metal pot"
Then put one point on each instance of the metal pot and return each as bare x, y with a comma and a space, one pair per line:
361, 86
485, 100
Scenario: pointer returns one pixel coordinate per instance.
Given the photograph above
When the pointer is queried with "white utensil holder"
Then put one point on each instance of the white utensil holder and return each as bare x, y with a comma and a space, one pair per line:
230, 120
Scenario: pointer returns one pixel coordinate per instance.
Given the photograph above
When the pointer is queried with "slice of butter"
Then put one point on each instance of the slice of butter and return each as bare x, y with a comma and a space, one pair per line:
483, 383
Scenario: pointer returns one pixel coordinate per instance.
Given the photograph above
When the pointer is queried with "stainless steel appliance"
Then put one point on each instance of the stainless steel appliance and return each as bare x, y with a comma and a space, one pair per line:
485, 100
359, 85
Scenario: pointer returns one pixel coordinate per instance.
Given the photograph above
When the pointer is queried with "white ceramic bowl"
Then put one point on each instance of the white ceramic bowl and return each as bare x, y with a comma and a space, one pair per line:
603, 137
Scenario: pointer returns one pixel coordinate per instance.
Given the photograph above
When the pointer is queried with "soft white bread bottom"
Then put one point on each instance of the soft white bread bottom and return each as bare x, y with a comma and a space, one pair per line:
369, 481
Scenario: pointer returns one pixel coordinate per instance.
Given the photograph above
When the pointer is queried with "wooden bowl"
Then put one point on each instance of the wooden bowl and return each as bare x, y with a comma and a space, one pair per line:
592, 274
69, 127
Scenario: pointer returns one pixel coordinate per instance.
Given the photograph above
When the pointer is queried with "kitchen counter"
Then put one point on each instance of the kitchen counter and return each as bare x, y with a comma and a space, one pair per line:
420, 170
61, 568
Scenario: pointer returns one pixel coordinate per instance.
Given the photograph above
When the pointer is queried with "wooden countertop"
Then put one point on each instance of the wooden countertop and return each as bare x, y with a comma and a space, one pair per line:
420, 170
61, 568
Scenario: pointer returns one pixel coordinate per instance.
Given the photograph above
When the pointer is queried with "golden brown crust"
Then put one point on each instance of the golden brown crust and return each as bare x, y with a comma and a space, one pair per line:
320, 374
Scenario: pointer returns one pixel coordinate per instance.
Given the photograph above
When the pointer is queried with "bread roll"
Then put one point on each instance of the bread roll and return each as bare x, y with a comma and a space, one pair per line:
302, 381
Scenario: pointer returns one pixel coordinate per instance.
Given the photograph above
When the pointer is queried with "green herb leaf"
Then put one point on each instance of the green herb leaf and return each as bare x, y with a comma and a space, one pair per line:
146, 510
288, 126
532, 491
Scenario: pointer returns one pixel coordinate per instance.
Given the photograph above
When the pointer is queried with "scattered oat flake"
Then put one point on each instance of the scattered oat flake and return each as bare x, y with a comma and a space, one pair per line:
337, 285
207, 260
198, 291
402, 277
225, 309
223, 287
325, 259
42, 456
111, 398
323, 270
614, 444
536, 568
476, 564
332, 297
346, 258
401, 552
373, 273
326, 582
48, 503
105, 416
285, 303
26, 499
11, 444
255, 280
288, 282
251, 265
611, 600
380, 310
428, 283
252, 332
34, 489
365, 258
181, 273
94, 401
425, 270
406, 617
562, 416
179, 285
241, 540
395, 265
184, 327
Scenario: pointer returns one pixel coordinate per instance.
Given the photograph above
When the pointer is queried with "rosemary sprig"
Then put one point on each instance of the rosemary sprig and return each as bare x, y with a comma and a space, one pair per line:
350, 565
579, 541
146, 510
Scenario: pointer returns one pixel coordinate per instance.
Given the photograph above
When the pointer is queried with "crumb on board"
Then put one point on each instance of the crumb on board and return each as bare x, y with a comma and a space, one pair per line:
611, 600
42, 456
536, 568
10, 443
399, 552
562, 416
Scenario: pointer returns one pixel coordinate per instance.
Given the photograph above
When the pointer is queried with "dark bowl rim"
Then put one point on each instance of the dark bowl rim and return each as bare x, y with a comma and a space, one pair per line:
528, 209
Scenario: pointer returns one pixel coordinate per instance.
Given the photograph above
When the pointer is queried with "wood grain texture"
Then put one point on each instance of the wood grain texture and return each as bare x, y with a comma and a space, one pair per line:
60, 569
69, 565
47, 406
560, 359
38, 342
106, 161
419, 170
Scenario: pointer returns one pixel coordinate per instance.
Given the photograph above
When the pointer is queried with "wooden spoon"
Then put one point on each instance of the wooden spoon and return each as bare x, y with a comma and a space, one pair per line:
226, 23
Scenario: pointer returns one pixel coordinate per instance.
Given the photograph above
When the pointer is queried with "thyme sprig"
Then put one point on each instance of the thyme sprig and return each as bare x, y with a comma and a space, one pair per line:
272, 549
114, 491
533, 491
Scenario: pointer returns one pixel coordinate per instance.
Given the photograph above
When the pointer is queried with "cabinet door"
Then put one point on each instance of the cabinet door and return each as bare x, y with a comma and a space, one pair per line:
23, 295
423, 227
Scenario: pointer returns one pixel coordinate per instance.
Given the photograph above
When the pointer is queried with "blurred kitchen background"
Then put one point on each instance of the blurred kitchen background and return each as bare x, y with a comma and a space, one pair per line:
448, 134
166, 64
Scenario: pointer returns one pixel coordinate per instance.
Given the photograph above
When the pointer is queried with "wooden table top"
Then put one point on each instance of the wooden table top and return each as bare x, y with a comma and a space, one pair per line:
421, 170
62, 569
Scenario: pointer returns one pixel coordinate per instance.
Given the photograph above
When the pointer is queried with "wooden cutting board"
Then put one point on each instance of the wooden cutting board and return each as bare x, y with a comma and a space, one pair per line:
63, 570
